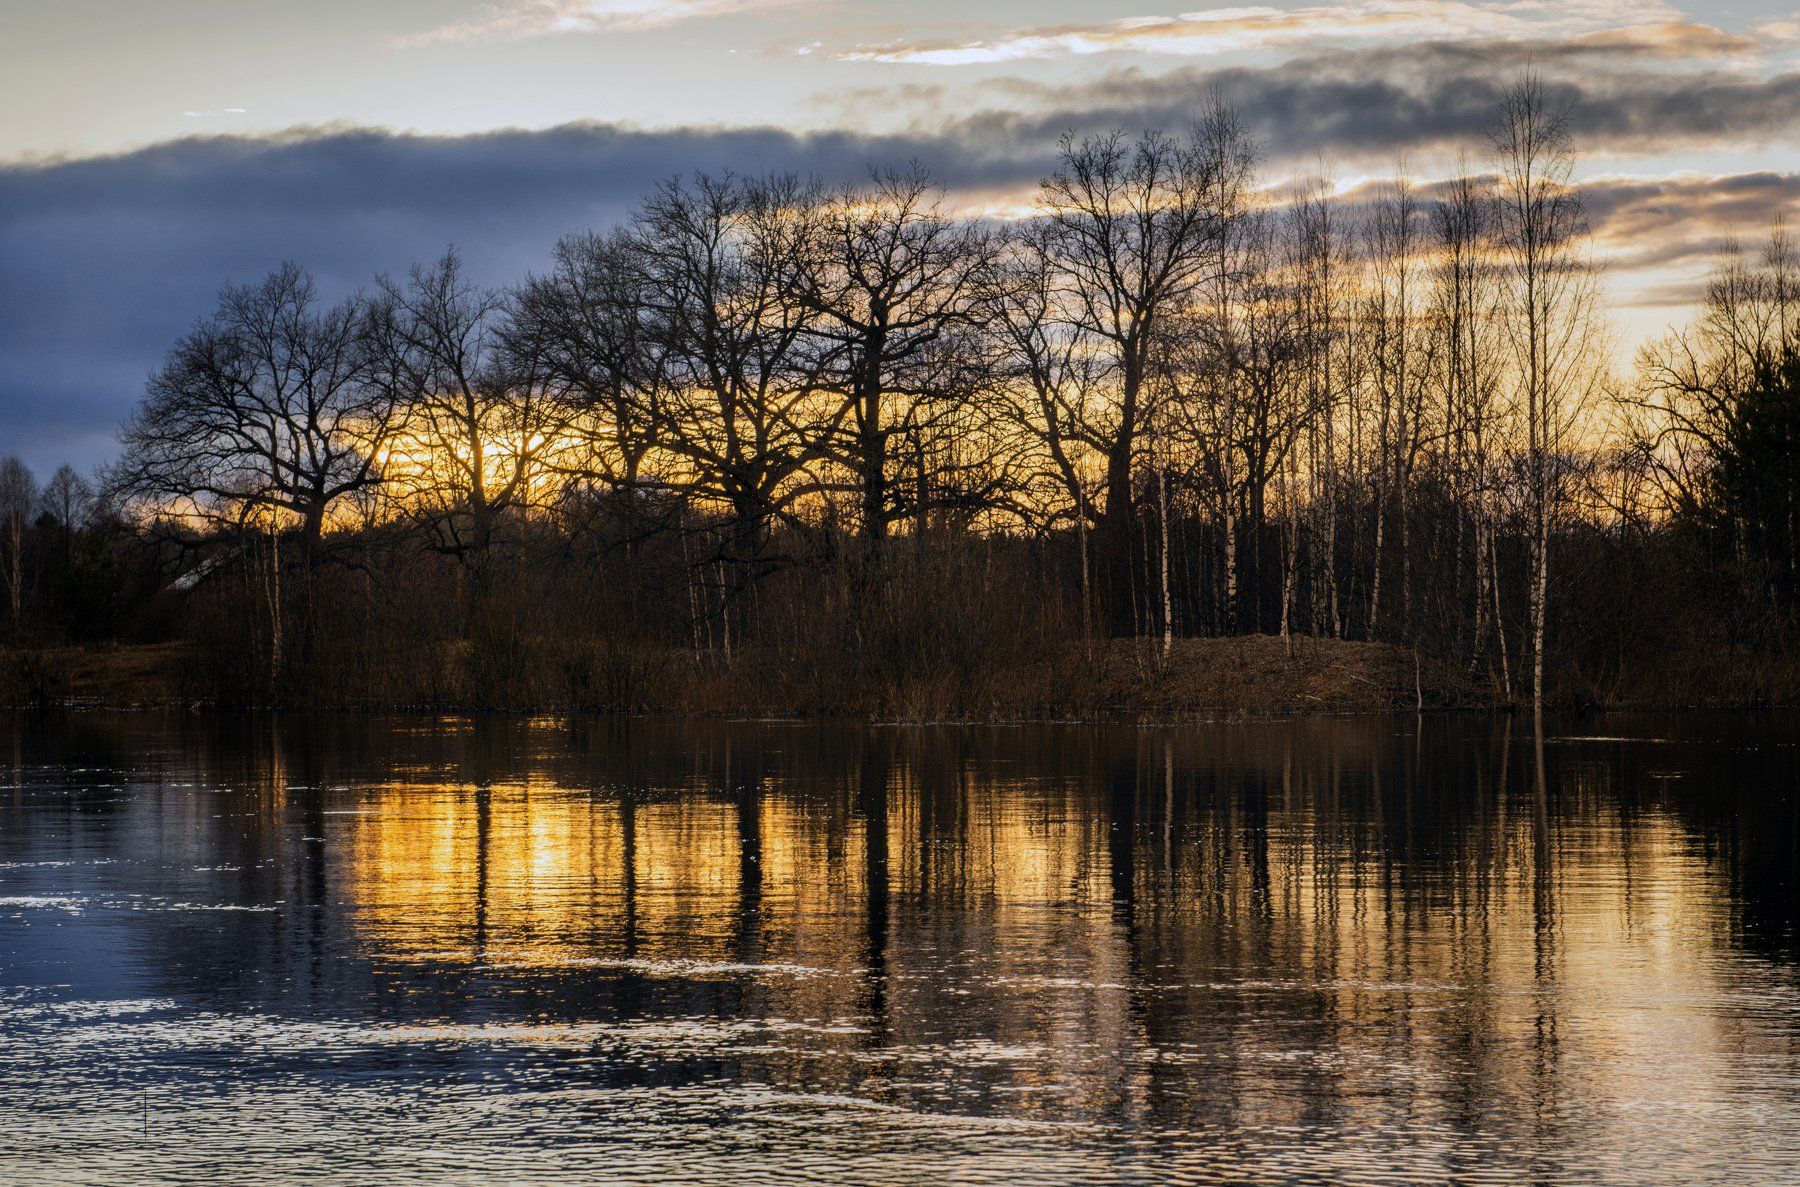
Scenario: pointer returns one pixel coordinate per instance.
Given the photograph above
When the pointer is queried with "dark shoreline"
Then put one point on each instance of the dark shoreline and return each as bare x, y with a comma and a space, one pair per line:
1242, 678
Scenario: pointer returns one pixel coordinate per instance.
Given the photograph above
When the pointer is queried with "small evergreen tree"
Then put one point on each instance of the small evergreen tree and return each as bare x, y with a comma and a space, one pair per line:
1756, 481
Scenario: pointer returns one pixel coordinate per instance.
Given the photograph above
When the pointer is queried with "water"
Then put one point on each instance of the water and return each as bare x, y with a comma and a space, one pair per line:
425, 950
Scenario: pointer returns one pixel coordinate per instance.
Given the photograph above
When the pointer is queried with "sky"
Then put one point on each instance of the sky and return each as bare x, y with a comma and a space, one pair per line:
156, 150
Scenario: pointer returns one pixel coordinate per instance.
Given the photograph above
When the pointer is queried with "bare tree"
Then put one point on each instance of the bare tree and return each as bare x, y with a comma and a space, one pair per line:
892, 279
268, 409
18, 501
483, 411
68, 499
1548, 315
1703, 419
1315, 260
1463, 313
1400, 374
1692, 381
1134, 224
725, 276
589, 318
1054, 384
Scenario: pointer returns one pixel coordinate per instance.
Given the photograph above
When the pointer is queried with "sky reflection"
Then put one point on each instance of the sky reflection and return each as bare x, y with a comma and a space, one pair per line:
1330, 947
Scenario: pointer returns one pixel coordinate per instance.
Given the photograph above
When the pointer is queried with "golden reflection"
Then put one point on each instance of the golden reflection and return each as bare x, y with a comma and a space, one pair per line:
1238, 914
1348, 950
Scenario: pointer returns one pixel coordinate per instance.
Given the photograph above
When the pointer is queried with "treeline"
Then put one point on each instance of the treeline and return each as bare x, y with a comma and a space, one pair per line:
69, 564
848, 449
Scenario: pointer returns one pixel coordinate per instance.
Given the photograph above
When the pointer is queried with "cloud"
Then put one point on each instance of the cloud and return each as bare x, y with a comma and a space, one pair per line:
544, 18
1644, 227
1651, 28
104, 261
1669, 41
1659, 237
1686, 218
1371, 104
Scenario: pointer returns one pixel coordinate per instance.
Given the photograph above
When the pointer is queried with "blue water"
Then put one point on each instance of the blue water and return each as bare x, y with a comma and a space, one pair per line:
425, 950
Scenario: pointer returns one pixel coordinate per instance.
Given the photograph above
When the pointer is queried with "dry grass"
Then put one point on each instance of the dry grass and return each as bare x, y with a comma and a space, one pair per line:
1248, 676
121, 676
1252, 676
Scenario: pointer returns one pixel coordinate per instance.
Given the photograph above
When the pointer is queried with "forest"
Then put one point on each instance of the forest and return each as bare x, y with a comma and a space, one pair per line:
772, 444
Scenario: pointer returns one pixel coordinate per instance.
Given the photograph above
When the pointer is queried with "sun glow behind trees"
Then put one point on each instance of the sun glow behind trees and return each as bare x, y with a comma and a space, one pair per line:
1246, 408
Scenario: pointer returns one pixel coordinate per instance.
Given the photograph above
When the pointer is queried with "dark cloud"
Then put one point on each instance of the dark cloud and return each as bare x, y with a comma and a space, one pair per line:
1369, 105
1686, 220
1647, 225
104, 261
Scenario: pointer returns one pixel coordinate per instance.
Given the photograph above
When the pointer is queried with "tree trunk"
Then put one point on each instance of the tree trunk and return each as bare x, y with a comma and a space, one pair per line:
1168, 609
1113, 546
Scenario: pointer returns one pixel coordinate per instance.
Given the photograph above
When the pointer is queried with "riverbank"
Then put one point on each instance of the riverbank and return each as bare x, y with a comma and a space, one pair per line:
1251, 676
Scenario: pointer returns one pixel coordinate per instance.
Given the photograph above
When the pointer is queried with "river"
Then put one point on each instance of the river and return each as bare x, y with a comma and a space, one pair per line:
506, 950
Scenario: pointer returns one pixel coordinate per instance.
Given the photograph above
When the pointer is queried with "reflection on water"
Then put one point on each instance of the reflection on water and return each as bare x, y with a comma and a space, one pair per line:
451, 950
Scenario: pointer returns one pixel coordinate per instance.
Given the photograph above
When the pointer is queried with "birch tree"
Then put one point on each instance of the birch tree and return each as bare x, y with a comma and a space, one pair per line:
1548, 317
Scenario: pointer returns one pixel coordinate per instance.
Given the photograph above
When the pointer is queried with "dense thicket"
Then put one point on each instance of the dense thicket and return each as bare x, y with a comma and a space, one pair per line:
863, 452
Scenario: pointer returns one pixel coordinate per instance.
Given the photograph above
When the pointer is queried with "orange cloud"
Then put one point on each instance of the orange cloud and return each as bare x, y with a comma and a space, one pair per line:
1649, 29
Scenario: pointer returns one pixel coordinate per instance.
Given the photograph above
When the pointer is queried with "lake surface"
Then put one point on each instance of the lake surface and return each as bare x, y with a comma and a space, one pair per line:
440, 950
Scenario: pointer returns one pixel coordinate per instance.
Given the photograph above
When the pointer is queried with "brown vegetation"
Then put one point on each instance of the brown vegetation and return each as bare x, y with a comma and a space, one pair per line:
1250, 676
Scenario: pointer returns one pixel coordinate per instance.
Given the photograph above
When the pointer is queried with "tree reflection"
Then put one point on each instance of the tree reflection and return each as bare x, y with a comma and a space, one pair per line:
1270, 925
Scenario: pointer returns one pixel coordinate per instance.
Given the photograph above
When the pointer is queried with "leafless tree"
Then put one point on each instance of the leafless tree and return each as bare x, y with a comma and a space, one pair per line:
1400, 371
892, 279
1316, 262
484, 412
1691, 381
589, 319
68, 499
18, 501
1056, 389
1463, 312
269, 409
1134, 224
1548, 315
724, 263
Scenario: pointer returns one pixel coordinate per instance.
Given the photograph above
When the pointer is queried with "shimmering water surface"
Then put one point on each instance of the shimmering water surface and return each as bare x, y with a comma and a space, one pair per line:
424, 950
